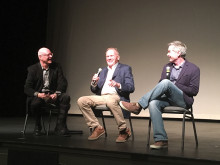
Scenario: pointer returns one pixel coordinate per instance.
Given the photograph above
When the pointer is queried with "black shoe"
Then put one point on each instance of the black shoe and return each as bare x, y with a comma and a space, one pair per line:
62, 132
37, 130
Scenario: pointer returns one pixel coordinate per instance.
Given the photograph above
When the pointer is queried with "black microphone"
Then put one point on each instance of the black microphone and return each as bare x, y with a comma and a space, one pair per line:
99, 70
46, 91
168, 72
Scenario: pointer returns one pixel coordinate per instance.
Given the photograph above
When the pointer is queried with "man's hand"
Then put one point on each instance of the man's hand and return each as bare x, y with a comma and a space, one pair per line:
114, 84
53, 96
95, 79
43, 96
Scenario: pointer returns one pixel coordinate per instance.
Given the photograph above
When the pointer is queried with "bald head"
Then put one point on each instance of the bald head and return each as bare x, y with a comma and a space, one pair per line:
43, 51
45, 56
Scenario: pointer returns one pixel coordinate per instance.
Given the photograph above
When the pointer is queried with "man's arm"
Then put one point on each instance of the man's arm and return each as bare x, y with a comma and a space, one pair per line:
127, 82
189, 83
61, 81
30, 82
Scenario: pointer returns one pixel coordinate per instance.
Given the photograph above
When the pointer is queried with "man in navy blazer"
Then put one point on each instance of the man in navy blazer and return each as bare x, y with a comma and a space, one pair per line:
114, 83
178, 84
46, 83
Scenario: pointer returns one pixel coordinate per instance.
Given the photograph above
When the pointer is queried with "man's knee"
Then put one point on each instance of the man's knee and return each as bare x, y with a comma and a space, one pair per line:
165, 82
36, 103
154, 105
112, 102
81, 101
65, 99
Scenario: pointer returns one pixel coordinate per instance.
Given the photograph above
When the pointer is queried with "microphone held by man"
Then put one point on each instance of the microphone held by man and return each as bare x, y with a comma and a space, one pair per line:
95, 78
168, 72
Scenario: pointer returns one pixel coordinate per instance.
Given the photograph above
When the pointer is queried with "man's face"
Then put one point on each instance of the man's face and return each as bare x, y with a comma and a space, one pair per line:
173, 54
46, 56
112, 57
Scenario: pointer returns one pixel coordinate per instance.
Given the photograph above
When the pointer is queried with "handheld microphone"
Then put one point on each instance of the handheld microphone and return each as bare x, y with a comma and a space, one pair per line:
168, 72
46, 91
99, 70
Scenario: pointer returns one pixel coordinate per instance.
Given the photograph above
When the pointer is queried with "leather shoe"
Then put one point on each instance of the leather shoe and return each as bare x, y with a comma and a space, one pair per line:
98, 132
123, 136
131, 107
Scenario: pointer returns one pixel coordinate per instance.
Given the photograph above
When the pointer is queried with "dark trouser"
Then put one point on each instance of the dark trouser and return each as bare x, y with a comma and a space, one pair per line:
63, 102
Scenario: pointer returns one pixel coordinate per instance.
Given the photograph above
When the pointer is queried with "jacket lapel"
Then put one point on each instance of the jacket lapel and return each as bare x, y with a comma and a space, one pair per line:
185, 66
51, 71
116, 71
103, 76
40, 72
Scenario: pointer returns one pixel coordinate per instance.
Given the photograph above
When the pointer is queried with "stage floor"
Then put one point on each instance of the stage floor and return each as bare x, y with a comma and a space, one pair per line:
208, 137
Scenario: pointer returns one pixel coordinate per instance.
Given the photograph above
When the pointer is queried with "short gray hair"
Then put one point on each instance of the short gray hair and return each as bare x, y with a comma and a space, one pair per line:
180, 46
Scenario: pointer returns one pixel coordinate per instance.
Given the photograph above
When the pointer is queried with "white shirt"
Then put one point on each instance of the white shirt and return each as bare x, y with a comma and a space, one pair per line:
106, 88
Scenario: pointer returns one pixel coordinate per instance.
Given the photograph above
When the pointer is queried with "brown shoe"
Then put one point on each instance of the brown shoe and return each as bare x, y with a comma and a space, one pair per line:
98, 132
123, 136
131, 107
159, 145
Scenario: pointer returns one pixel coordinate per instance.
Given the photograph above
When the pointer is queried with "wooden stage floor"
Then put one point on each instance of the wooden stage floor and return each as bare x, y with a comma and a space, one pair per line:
208, 151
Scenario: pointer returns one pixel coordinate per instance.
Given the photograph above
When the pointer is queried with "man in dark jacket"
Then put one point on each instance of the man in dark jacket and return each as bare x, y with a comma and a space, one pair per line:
178, 84
45, 84
115, 83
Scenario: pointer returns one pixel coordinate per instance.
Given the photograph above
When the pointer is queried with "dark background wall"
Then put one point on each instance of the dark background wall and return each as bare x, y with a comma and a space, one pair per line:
23, 32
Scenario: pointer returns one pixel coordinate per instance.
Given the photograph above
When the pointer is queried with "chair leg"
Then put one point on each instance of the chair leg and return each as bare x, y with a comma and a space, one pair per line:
103, 121
194, 129
132, 132
42, 121
183, 130
148, 135
48, 127
25, 124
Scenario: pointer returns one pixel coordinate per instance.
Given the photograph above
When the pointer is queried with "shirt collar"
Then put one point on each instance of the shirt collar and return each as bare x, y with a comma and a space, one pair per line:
178, 67
43, 68
113, 67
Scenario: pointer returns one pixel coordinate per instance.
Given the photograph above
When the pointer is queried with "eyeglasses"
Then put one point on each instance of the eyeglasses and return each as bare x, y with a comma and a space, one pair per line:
51, 54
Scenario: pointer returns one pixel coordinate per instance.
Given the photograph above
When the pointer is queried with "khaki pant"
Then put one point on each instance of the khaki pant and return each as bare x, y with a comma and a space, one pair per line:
86, 102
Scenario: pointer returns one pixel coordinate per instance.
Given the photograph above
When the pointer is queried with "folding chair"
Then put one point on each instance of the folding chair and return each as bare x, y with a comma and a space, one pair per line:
51, 108
187, 113
98, 110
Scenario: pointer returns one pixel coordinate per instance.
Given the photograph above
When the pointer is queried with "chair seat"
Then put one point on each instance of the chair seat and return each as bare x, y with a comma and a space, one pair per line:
101, 107
176, 110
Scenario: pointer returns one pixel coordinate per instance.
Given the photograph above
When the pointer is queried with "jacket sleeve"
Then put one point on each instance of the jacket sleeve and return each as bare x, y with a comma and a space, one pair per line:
30, 82
61, 81
190, 85
127, 83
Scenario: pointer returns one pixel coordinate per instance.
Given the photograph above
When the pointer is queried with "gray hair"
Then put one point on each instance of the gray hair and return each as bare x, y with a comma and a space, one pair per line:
180, 46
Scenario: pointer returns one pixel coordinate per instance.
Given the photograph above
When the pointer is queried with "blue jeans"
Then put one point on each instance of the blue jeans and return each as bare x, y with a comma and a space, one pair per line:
164, 94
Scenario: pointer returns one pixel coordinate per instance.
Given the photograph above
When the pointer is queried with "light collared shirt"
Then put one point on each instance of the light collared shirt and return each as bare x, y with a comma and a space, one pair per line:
106, 88
176, 72
46, 78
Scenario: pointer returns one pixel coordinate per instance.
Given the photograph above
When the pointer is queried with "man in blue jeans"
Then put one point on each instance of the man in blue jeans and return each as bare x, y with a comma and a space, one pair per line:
178, 84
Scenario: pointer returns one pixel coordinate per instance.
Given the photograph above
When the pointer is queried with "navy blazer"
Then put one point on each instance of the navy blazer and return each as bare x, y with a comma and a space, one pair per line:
34, 81
188, 80
122, 75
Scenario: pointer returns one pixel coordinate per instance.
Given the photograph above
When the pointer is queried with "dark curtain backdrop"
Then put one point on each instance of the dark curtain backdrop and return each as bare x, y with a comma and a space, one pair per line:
23, 32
